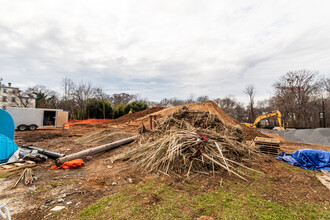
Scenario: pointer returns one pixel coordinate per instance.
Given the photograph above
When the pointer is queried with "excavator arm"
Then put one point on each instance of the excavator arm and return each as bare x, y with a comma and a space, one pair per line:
279, 119
277, 113
262, 117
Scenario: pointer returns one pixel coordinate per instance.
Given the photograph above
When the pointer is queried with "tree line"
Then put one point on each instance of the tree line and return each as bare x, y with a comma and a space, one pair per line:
302, 96
82, 100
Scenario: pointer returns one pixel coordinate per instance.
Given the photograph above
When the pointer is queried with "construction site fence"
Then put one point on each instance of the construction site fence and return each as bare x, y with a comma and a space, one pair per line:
88, 121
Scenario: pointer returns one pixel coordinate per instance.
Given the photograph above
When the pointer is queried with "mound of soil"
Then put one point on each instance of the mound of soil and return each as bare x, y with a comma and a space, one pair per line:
190, 119
103, 137
136, 115
214, 109
190, 140
251, 133
207, 106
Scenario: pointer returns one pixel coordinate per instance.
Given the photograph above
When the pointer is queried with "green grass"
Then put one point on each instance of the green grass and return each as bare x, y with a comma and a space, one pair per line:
3, 175
153, 199
288, 167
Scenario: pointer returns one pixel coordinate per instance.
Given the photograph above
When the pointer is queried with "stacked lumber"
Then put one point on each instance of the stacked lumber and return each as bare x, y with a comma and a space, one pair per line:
267, 145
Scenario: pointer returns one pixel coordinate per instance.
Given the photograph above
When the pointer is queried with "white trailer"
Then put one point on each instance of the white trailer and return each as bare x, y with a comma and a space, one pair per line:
33, 118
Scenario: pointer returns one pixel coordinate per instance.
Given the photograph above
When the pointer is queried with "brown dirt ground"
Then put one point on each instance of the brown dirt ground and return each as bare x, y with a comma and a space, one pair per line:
96, 179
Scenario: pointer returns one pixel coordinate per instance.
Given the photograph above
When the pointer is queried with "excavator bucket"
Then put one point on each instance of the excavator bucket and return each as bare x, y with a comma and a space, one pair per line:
7, 132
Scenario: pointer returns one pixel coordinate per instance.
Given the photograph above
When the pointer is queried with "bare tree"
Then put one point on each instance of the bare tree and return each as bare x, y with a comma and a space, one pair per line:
203, 98
230, 105
326, 86
122, 98
81, 93
251, 92
294, 93
190, 99
100, 94
24, 98
67, 85
45, 98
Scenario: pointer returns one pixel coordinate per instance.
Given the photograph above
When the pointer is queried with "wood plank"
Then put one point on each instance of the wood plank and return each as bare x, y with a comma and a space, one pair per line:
266, 140
62, 117
18, 168
18, 164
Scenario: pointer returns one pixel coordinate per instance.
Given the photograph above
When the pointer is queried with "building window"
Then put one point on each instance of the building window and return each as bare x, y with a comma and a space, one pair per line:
4, 90
4, 98
13, 91
13, 99
4, 107
26, 100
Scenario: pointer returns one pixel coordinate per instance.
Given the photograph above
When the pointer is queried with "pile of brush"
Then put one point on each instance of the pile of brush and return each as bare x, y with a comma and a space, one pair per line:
191, 141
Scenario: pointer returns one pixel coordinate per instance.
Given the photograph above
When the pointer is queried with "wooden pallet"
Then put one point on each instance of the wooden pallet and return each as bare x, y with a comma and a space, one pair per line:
269, 150
270, 141
17, 166
267, 145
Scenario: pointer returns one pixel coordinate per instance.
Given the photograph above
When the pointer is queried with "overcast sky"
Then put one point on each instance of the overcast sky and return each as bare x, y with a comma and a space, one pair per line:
159, 49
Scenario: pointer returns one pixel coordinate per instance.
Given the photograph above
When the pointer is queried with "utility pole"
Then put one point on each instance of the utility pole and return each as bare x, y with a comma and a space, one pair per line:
324, 116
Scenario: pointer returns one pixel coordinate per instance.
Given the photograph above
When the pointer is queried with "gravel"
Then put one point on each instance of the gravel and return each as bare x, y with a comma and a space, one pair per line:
319, 136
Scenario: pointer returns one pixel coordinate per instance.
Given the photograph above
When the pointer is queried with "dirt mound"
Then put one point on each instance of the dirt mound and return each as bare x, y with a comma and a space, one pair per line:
136, 115
190, 140
103, 137
251, 133
207, 106
212, 108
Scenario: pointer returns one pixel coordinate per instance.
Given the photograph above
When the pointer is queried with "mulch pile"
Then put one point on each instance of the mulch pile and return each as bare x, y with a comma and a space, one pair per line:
189, 140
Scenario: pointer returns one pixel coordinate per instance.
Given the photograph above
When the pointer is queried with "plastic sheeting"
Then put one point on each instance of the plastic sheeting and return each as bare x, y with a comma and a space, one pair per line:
308, 159
7, 125
7, 148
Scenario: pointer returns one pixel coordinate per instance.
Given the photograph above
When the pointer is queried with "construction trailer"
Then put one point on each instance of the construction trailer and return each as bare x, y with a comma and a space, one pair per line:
33, 118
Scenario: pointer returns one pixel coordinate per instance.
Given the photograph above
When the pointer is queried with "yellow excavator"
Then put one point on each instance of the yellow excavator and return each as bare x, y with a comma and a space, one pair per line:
277, 113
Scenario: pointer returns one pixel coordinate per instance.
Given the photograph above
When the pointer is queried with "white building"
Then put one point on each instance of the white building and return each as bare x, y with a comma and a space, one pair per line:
12, 97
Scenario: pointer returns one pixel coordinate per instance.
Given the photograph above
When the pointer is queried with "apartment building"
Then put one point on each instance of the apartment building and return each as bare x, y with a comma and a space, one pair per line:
12, 97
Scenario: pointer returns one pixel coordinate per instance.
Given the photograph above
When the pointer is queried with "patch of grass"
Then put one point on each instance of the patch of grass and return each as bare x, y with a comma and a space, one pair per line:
146, 200
61, 183
161, 200
228, 205
288, 167
3, 175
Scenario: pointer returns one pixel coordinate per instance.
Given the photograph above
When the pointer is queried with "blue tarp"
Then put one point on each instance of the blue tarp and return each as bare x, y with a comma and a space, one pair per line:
7, 148
308, 159
7, 125
7, 134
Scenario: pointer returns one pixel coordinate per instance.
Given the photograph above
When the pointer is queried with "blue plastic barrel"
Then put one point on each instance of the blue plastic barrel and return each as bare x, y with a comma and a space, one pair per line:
7, 148
7, 125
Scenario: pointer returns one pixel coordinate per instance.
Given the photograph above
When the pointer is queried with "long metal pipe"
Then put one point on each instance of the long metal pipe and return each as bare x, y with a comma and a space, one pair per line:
95, 150
48, 153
